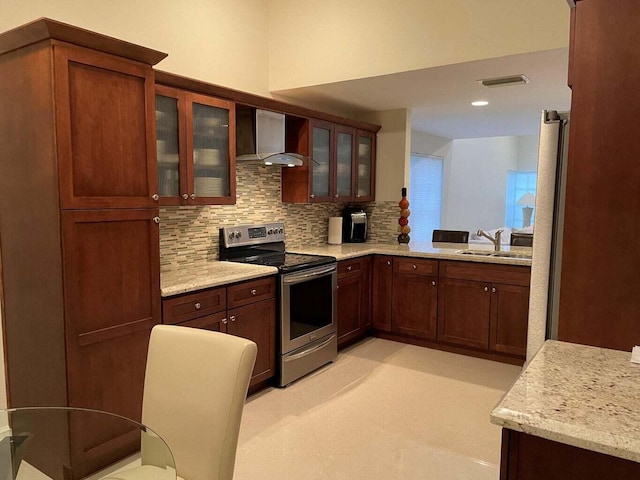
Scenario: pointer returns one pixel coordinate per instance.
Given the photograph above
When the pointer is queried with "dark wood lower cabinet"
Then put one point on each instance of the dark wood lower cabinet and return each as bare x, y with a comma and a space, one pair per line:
415, 297
509, 314
527, 457
464, 308
257, 322
381, 288
254, 317
353, 299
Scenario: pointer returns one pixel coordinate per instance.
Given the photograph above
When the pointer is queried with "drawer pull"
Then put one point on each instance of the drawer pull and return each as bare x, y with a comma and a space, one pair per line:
254, 292
433, 282
232, 318
349, 268
197, 305
493, 290
414, 266
224, 321
486, 289
389, 262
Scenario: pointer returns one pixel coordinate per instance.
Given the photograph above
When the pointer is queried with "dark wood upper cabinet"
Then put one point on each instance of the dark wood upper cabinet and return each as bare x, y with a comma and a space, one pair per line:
104, 130
599, 303
341, 166
195, 148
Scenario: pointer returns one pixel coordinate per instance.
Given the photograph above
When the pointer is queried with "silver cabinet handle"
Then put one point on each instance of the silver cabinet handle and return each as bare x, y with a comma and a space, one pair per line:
414, 266
312, 196
224, 320
232, 318
156, 219
185, 196
254, 292
389, 262
336, 195
349, 268
197, 305
486, 289
193, 195
155, 196
493, 290
433, 282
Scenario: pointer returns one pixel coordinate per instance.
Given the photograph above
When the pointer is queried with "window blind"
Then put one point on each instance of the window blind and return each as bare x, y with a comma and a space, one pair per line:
425, 196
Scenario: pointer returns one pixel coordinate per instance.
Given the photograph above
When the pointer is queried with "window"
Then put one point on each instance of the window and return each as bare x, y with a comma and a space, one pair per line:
518, 184
425, 196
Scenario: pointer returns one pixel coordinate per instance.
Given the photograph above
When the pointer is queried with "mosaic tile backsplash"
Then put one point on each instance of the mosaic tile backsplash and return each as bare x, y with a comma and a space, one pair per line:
190, 234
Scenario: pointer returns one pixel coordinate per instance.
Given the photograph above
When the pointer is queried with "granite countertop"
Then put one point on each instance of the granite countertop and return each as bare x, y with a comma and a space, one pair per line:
189, 278
441, 251
179, 279
583, 396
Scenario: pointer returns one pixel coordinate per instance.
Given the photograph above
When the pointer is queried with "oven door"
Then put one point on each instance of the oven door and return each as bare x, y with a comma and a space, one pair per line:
307, 306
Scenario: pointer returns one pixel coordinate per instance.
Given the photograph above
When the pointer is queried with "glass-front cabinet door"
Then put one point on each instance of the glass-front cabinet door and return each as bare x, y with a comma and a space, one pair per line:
345, 147
195, 142
322, 161
211, 150
365, 167
172, 178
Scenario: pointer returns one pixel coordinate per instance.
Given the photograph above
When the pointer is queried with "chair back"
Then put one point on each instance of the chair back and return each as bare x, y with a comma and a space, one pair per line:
521, 239
194, 392
450, 236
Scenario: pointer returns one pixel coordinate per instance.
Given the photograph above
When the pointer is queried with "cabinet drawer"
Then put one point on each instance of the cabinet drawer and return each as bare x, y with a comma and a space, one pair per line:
216, 322
415, 267
250, 292
486, 272
195, 305
350, 267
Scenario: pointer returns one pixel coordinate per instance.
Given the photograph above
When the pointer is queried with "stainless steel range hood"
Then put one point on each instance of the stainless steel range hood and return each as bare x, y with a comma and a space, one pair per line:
260, 139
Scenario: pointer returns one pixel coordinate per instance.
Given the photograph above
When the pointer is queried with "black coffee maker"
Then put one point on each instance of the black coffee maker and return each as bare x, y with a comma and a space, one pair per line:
354, 225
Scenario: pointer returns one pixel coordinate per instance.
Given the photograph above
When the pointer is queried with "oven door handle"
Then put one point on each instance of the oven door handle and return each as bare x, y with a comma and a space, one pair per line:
304, 276
308, 351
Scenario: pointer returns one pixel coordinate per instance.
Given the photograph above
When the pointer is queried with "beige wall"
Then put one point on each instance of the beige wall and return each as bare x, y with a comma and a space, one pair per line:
218, 41
321, 41
394, 149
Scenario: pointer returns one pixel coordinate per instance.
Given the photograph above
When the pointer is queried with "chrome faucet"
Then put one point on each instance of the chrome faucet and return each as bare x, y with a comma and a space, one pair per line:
495, 240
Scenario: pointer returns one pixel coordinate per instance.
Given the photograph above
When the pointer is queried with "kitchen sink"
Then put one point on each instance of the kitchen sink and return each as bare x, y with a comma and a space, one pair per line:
488, 253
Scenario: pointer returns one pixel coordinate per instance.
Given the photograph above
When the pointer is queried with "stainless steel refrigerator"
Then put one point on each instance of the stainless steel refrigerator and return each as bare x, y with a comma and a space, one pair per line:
547, 238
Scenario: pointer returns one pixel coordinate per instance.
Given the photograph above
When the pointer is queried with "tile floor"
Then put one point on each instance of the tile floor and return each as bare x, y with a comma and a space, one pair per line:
383, 410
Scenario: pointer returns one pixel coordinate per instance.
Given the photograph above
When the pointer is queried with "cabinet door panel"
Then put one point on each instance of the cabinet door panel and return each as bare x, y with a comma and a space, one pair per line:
463, 312
350, 290
345, 153
257, 322
210, 150
414, 310
105, 130
365, 169
171, 145
322, 141
381, 285
509, 319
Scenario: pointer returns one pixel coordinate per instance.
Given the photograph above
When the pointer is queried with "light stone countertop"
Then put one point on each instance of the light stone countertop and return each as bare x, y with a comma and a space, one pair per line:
579, 395
190, 278
175, 280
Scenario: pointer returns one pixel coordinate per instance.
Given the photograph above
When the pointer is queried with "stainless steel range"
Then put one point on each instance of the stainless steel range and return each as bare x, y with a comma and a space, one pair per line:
307, 291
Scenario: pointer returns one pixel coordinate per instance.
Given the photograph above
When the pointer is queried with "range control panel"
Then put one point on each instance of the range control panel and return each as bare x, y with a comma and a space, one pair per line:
253, 234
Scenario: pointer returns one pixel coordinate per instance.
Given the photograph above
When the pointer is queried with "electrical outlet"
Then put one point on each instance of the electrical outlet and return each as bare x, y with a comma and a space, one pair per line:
394, 225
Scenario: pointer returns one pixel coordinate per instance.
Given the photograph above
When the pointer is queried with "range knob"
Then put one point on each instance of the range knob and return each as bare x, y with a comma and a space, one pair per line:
231, 236
238, 234
270, 231
280, 230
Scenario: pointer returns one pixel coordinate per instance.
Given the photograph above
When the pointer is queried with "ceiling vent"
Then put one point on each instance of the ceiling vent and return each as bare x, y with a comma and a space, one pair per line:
505, 81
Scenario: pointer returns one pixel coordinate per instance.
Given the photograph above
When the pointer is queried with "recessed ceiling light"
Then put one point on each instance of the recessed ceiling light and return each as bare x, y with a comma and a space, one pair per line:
480, 103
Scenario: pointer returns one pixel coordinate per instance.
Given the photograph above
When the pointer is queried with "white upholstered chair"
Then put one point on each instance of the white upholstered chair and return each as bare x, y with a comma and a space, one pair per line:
195, 387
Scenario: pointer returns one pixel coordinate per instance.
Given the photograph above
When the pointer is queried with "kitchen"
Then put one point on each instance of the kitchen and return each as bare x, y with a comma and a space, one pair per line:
385, 193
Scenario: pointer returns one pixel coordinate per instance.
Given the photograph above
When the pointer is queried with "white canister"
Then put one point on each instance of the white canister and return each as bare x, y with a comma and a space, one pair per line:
335, 230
